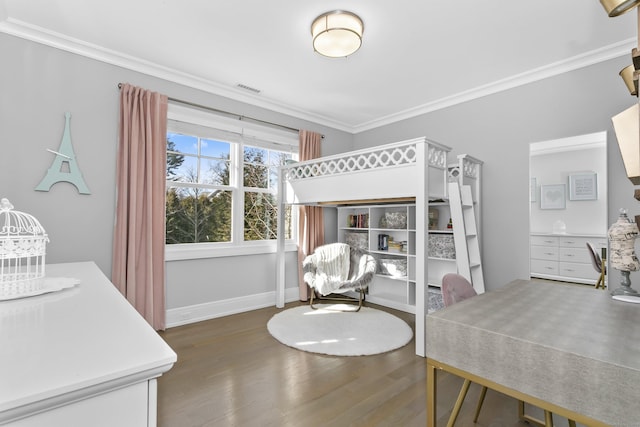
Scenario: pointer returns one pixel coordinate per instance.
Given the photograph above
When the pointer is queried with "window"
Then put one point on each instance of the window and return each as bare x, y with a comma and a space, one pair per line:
222, 184
260, 182
199, 196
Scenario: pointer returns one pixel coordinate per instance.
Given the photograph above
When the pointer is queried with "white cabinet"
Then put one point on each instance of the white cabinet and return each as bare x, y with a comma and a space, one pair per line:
79, 357
565, 257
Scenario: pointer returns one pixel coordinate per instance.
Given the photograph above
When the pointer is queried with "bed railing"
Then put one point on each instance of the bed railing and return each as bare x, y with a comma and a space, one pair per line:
471, 167
383, 156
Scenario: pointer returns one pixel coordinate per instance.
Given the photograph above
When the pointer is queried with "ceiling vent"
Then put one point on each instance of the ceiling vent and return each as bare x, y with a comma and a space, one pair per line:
249, 88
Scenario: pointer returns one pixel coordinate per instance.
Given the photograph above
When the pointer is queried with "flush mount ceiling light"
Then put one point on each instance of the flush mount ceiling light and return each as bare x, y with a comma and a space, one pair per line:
337, 33
618, 7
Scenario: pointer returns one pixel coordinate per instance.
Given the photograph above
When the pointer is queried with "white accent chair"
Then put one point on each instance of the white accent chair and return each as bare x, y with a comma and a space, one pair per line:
362, 268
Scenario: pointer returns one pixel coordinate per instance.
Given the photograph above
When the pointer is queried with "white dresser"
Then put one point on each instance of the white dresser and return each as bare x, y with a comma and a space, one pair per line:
565, 257
79, 357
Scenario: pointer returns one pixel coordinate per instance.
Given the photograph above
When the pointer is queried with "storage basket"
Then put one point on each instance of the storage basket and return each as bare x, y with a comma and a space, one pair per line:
394, 267
442, 246
357, 239
393, 220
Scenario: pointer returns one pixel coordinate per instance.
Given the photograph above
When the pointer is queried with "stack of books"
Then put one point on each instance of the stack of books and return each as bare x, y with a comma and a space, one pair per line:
358, 220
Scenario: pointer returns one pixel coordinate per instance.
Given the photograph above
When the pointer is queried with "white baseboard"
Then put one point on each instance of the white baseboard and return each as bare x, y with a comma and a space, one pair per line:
199, 312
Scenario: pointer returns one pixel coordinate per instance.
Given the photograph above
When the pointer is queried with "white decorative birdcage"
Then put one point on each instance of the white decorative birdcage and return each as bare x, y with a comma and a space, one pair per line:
23, 243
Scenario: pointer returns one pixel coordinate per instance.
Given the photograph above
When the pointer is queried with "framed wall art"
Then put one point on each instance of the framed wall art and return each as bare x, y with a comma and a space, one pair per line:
553, 196
583, 186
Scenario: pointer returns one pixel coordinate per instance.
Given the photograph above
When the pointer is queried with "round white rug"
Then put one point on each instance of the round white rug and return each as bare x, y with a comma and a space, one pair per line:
329, 331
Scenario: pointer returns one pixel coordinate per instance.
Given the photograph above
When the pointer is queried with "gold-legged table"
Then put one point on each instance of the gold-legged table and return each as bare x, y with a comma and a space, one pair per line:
569, 349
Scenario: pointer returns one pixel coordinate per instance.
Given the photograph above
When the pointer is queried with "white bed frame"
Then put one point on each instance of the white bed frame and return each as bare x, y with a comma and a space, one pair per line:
415, 169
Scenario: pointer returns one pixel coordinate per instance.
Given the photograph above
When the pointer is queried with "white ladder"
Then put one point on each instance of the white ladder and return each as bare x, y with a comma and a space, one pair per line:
465, 235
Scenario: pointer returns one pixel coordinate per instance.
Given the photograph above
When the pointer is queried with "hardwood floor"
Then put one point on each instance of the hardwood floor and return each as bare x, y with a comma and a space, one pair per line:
231, 372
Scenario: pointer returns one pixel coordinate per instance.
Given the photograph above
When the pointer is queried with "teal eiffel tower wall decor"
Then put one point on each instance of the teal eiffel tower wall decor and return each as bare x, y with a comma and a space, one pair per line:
59, 171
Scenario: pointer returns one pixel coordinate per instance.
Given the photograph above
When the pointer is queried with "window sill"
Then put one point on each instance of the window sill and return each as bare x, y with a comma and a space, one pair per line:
205, 250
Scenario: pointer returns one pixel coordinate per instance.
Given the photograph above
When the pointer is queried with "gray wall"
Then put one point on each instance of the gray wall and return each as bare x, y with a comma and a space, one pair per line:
498, 130
38, 84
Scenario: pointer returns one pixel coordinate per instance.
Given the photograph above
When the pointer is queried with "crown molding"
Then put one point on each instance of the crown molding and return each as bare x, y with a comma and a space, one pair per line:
43, 36
593, 57
573, 143
40, 35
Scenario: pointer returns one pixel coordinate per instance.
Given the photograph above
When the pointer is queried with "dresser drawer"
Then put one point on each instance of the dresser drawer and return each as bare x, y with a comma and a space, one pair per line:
544, 241
573, 242
577, 270
574, 255
540, 266
549, 253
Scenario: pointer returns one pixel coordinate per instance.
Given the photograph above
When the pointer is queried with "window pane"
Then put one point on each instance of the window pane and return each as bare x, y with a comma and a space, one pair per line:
273, 179
182, 143
255, 176
214, 171
279, 158
174, 163
260, 218
186, 170
255, 155
174, 160
212, 148
276, 159
195, 215
288, 222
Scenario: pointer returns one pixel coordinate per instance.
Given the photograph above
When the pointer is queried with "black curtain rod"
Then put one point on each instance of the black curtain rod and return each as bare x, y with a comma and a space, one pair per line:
238, 116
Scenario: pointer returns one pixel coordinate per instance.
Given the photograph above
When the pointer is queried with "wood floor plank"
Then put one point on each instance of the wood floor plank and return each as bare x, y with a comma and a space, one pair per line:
232, 372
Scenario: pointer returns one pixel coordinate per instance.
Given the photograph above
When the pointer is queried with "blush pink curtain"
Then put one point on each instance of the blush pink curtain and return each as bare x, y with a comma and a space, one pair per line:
139, 233
311, 224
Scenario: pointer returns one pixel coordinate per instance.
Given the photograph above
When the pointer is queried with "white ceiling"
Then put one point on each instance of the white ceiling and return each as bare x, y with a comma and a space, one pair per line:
417, 55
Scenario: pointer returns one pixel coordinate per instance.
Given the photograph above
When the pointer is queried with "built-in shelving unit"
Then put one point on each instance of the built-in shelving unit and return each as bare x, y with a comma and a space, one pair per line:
369, 226
441, 255
388, 232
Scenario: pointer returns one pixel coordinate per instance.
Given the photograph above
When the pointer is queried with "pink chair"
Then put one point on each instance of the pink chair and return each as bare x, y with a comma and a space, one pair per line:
456, 288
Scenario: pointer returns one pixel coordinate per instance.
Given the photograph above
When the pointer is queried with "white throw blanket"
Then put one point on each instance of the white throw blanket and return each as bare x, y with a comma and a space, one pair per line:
332, 267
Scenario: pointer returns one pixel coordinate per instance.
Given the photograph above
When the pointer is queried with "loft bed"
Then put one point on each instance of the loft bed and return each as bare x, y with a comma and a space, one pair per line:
414, 170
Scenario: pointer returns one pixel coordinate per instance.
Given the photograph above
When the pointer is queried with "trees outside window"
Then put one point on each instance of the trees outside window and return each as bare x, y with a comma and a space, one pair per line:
215, 185
260, 179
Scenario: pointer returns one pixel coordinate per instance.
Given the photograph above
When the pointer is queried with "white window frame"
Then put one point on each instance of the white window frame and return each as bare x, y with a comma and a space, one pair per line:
181, 118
